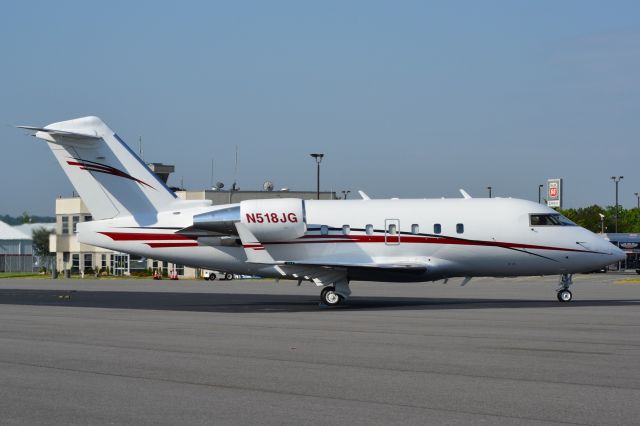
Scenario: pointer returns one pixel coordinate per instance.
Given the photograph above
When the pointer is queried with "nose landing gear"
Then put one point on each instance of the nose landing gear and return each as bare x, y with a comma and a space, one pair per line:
564, 295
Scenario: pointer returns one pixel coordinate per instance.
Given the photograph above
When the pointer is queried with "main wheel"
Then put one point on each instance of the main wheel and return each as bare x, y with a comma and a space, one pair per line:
329, 297
564, 296
228, 276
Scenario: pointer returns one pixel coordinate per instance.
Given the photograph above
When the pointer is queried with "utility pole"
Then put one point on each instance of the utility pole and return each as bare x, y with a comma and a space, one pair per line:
539, 192
637, 194
617, 180
489, 188
318, 158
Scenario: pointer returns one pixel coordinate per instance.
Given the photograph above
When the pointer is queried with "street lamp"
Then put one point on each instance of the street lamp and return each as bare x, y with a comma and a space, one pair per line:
345, 194
318, 158
489, 188
617, 180
637, 194
539, 197
601, 223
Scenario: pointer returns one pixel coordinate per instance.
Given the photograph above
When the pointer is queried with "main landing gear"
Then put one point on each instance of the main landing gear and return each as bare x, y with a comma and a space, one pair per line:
334, 295
564, 295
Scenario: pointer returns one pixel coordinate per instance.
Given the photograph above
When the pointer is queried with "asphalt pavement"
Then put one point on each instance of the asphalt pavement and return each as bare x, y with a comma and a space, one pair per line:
497, 351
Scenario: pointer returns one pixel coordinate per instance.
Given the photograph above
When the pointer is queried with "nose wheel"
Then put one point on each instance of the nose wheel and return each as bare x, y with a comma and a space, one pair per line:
564, 295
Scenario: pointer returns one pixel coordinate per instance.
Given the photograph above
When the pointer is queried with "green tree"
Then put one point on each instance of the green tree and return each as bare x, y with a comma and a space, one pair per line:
24, 218
40, 241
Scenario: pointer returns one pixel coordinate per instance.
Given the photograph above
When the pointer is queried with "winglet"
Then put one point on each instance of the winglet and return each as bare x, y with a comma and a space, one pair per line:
464, 193
255, 251
363, 195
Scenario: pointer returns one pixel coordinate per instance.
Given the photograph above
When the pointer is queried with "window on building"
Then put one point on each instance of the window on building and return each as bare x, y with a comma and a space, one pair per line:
437, 228
88, 261
75, 220
324, 230
346, 229
179, 269
460, 228
88, 218
65, 224
103, 261
75, 262
415, 228
369, 229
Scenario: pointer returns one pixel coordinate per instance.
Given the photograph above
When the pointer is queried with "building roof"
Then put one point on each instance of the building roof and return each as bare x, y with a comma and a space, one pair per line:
8, 232
27, 228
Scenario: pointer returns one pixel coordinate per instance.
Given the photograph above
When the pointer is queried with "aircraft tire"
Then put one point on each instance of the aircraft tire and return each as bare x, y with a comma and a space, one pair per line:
329, 297
564, 296
228, 276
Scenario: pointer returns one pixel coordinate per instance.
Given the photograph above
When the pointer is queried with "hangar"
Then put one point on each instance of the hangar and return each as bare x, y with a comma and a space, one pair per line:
15, 250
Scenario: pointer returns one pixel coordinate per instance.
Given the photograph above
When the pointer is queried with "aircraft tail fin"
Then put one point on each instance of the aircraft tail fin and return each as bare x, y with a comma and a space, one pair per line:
109, 177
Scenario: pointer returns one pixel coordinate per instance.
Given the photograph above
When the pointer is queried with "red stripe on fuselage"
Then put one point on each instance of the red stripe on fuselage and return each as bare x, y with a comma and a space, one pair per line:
140, 236
410, 239
171, 245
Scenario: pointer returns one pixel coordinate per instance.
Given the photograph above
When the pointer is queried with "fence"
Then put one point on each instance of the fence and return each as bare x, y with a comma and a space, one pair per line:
25, 262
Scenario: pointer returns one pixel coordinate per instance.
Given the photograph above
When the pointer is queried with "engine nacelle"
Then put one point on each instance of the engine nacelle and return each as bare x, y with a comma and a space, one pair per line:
277, 219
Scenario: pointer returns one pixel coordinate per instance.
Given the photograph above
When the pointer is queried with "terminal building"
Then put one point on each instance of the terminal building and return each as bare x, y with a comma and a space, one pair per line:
80, 258
630, 244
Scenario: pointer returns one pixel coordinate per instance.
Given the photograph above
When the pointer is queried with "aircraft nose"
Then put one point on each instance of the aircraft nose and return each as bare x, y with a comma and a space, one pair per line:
618, 254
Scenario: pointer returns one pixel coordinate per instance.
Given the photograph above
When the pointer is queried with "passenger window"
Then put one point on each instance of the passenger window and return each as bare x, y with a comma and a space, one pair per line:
346, 229
369, 229
437, 228
460, 228
393, 230
324, 230
415, 228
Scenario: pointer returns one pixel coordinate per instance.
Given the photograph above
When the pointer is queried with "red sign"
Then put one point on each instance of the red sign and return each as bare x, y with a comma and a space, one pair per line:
553, 191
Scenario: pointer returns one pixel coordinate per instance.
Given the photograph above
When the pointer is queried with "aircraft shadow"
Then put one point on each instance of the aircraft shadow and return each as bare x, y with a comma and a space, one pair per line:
264, 303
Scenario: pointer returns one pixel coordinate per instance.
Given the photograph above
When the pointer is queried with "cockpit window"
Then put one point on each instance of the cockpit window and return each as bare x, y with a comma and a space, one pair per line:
552, 219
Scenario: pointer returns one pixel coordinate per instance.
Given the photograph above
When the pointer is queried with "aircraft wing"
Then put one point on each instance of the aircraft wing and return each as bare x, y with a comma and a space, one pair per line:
396, 264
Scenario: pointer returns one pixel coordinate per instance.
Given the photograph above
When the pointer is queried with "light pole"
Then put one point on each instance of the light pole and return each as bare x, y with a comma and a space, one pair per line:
601, 223
539, 197
489, 188
637, 194
345, 194
318, 158
617, 180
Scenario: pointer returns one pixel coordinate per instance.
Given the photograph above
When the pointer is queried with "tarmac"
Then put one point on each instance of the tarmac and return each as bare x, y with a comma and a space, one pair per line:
497, 351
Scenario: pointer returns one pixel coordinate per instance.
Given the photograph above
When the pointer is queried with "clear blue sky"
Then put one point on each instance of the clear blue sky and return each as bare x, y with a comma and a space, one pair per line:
406, 99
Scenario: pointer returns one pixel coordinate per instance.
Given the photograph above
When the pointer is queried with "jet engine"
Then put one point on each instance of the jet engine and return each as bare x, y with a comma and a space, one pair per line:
274, 219
278, 219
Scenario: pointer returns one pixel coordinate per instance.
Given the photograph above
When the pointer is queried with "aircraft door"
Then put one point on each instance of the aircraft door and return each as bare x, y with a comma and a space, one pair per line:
392, 232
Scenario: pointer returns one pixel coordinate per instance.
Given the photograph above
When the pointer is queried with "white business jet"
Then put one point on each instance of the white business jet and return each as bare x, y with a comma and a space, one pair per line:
328, 242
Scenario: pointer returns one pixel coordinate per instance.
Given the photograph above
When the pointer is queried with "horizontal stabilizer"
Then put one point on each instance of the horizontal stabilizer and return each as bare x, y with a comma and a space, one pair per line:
64, 133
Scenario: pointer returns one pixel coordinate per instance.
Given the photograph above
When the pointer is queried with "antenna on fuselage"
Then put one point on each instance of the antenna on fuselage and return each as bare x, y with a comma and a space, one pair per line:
363, 195
464, 193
